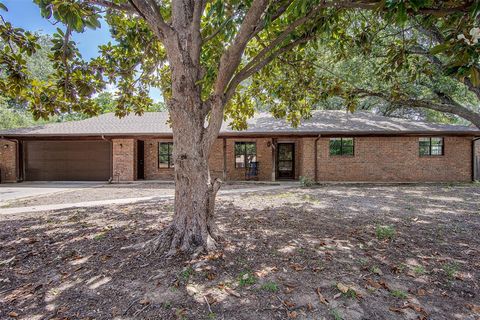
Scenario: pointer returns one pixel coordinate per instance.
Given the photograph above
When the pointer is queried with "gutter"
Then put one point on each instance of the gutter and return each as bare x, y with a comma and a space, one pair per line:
316, 157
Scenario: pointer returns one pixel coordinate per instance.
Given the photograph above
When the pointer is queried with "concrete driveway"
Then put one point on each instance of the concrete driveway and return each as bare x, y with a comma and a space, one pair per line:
16, 191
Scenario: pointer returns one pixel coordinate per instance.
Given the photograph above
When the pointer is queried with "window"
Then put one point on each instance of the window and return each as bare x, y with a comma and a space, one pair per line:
430, 146
245, 153
165, 150
341, 147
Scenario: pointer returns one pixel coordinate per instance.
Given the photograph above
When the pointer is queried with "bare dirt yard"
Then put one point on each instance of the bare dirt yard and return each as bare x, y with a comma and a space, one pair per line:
329, 252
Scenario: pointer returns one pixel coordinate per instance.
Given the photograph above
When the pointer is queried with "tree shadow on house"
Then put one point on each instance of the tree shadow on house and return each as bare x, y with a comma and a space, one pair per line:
402, 252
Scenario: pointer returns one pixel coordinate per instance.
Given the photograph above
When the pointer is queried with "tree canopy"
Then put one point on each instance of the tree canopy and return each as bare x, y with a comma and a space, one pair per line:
402, 44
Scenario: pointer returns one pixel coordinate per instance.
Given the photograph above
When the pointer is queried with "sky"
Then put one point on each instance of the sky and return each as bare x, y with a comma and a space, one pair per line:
26, 14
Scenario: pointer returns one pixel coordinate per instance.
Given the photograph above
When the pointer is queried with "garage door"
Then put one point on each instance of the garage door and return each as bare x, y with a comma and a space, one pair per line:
67, 160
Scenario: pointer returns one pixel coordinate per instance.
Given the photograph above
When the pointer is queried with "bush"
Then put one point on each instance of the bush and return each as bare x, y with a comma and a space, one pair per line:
306, 181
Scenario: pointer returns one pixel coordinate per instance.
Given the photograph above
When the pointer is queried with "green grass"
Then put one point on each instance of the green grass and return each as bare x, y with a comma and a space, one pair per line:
270, 286
186, 274
450, 269
399, 294
336, 315
419, 270
384, 232
246, 279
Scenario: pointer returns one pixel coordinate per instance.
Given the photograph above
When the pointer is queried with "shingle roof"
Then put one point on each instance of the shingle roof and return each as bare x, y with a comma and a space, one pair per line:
321, 122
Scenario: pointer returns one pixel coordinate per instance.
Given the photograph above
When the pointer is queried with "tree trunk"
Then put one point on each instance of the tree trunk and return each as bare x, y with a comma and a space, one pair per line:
193, 229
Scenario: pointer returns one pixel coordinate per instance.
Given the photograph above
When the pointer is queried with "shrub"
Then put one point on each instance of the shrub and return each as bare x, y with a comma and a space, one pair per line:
306, 182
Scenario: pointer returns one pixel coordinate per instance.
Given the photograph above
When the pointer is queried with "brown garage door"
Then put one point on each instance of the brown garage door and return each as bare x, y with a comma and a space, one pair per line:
67, 160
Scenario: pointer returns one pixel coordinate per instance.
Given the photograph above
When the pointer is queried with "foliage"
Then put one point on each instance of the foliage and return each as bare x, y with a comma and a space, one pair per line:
348, 40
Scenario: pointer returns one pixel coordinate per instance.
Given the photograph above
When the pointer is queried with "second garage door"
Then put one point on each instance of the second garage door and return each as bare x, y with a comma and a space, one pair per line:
67, 160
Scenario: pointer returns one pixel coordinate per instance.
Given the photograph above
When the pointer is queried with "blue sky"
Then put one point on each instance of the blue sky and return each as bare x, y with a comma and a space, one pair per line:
26, 14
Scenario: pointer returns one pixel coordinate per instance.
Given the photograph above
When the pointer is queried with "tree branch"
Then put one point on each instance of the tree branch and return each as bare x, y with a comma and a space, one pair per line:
447, 105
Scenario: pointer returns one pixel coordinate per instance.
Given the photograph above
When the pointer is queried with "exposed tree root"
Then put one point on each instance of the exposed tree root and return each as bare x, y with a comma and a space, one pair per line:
195, 235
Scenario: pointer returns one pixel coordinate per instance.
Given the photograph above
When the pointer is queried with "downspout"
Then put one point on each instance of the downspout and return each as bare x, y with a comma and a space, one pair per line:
17, 160
316, 157
474, 163
111, 158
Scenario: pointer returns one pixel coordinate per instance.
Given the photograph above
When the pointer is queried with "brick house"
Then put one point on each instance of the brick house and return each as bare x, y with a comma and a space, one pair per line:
329, 146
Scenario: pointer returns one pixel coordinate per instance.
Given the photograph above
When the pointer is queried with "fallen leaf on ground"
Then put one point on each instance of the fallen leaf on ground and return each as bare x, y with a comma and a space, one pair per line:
399, 310
292, 314
321, 297
473, 307
13, 314
289, 304
343, 288
232, 292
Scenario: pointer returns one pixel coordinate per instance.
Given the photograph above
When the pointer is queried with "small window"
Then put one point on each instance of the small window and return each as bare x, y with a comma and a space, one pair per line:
245, 153
341, 147
430, 146
165, 150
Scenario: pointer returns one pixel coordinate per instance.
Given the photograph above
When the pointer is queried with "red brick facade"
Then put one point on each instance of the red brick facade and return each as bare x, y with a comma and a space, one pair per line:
8, 161
383, 159
124, 159
396, 159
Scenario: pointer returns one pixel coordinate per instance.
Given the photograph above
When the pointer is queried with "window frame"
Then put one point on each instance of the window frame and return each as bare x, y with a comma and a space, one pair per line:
170, 164
342, 151
245, 154
430, 147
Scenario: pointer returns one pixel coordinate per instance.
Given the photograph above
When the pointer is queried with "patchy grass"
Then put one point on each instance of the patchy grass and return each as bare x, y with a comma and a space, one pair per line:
246, 279
384, 232
270, 286
399, 294
282, 256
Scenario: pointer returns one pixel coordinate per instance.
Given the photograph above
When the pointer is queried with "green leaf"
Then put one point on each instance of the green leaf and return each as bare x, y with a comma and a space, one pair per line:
439, 48
3, 7
475, 76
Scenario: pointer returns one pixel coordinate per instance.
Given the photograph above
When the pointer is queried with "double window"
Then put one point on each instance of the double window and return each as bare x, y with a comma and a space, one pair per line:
341, 147
245, 153
165, 150
430, 146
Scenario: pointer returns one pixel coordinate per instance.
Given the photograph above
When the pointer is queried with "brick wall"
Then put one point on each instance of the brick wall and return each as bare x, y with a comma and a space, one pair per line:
8, 161
387, 159
307, 158
396, 159
124, 159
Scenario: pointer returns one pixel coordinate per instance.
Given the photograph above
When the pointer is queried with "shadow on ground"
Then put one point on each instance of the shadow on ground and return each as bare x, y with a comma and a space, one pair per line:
351, 252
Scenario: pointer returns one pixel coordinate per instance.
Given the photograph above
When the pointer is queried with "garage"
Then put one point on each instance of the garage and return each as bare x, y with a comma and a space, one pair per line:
67, 160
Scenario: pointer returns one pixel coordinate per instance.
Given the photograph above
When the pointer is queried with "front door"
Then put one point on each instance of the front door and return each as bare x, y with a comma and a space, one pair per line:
285, 161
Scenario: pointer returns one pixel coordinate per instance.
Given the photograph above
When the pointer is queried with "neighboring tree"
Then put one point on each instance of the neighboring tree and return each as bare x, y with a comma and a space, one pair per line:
425, 68
200, 53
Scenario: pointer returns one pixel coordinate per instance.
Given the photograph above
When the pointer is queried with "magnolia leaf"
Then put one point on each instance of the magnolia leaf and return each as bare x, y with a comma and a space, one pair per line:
3, 7
439, 48
475, 76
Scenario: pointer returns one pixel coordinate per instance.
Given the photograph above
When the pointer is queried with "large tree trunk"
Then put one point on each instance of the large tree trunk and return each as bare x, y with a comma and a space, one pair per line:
193, 229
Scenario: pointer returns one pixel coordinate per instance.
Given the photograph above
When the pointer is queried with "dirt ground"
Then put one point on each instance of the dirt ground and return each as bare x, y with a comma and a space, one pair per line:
330, 252
105, 192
